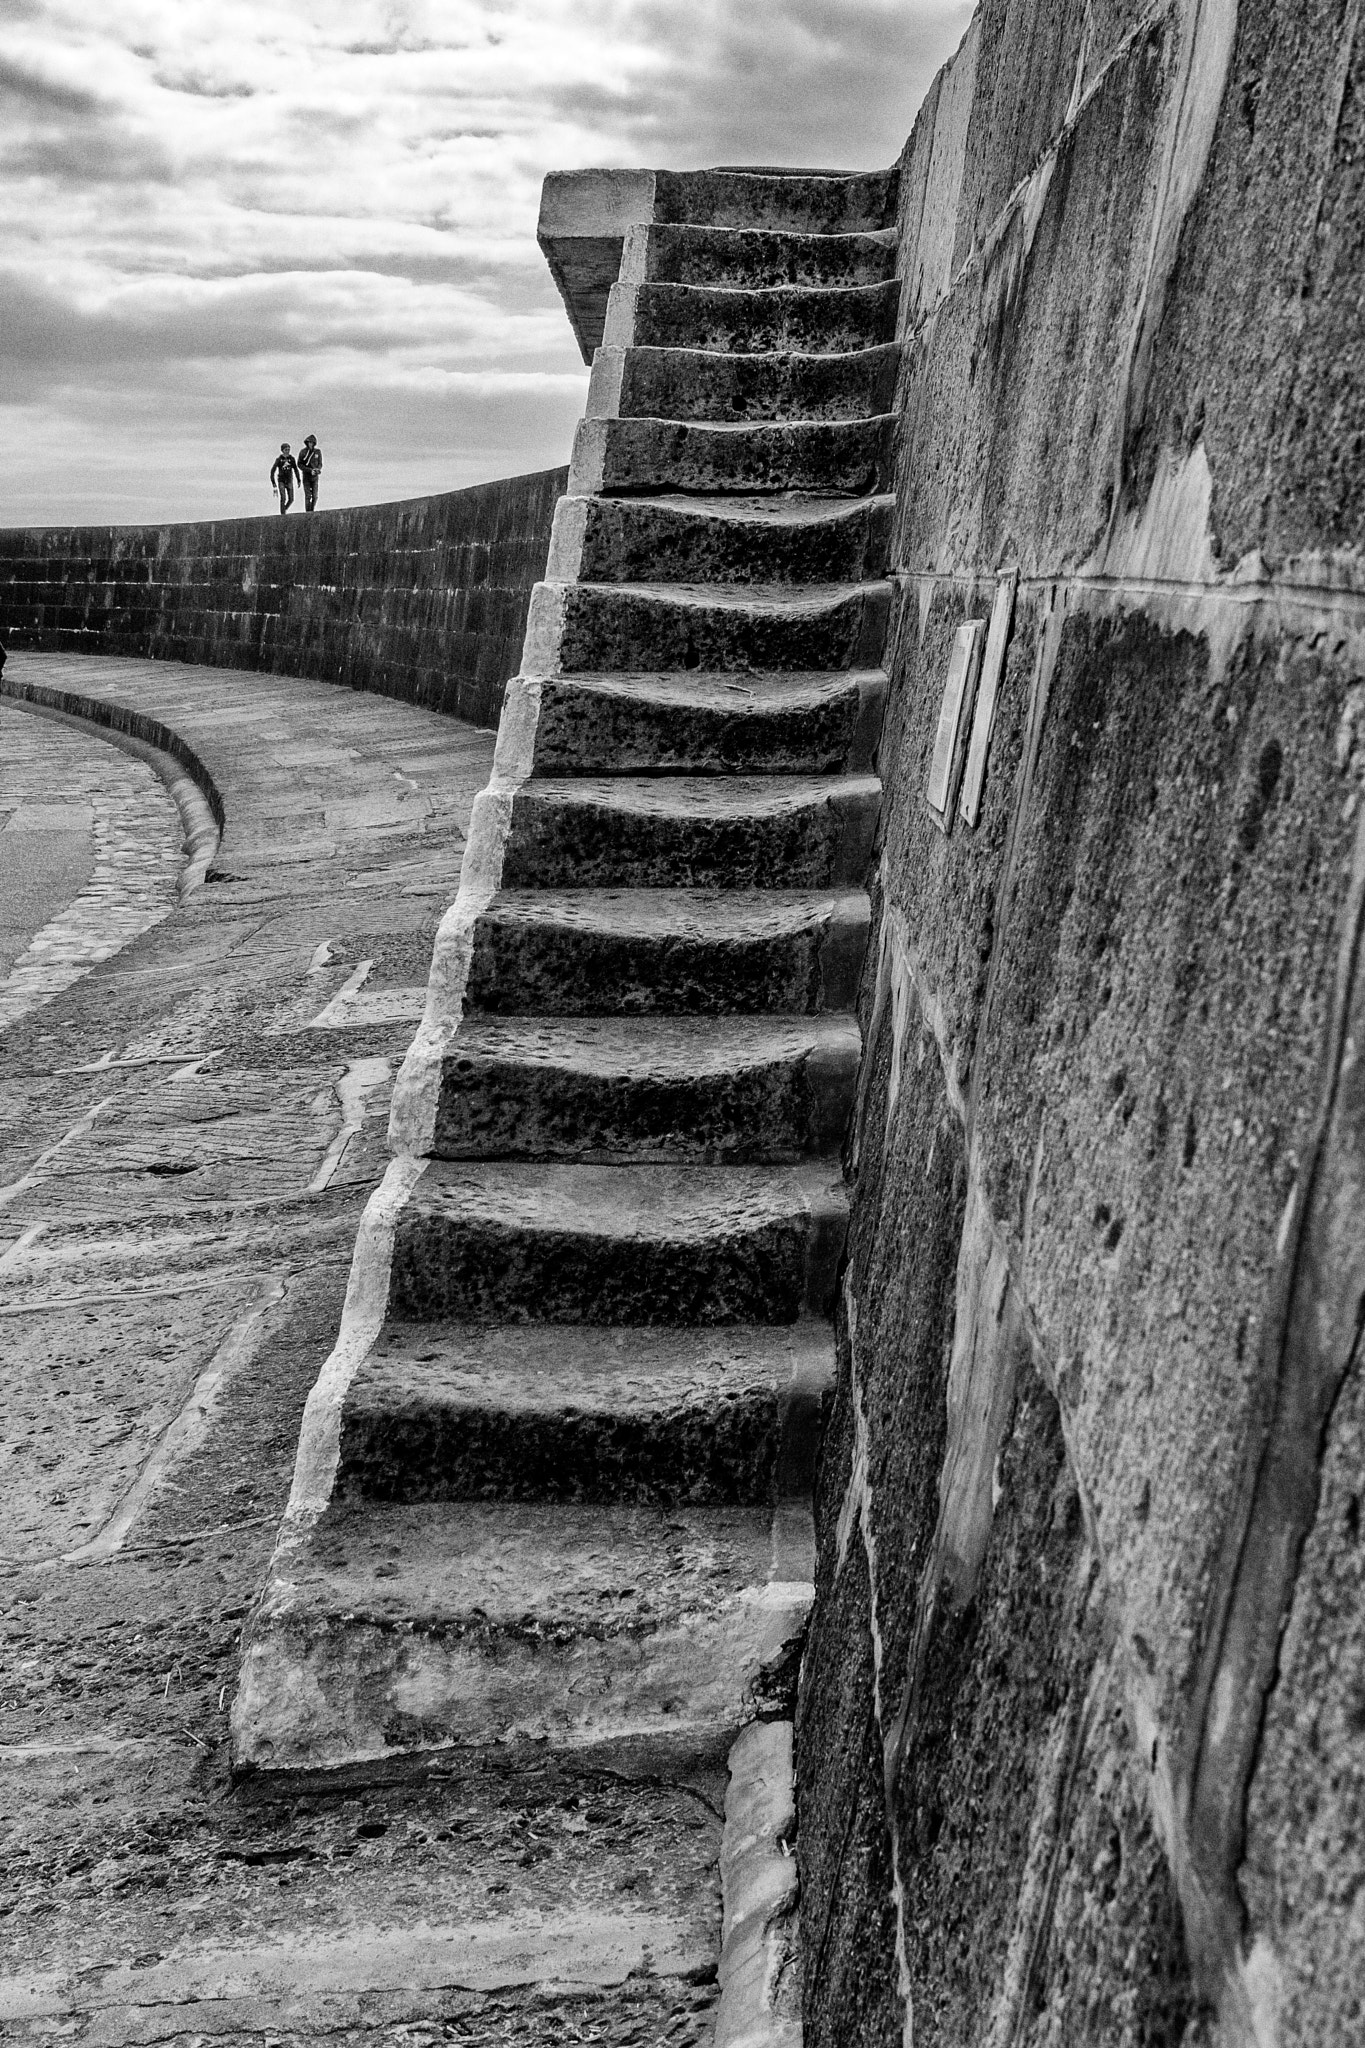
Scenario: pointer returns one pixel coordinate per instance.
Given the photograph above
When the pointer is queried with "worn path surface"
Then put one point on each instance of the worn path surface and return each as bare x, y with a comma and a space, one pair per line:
187, 1134
90, 855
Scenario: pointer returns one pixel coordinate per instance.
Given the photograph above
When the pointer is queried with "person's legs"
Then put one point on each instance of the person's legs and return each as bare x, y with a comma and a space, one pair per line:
286, 494
310, 493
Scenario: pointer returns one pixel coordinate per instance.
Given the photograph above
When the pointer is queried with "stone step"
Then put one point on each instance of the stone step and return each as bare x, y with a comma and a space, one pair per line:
507, 1242
596, 627
712, 1089
801, 318
750, 257
585, 217
694, 384
397, 1628
688, 721
813, 202
846, 458
698, 952
698, 831
535, 1411
776, 539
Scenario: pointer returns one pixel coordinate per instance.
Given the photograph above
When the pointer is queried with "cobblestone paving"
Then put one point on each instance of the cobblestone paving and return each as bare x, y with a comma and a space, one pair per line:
72, 805
187, 1134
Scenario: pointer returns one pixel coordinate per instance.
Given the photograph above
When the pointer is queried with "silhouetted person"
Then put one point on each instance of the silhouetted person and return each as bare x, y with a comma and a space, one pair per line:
284, 474
310, 469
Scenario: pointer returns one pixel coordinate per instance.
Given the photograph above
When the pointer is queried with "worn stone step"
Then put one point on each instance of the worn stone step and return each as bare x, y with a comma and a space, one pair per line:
507, 1242
684, 253
586, 215
700, 831
816, 202
534, 1411
695, 384
776, 539
698, 952
395, 1628
804, 318
847, 458
647, 1088
573, 627
686, 720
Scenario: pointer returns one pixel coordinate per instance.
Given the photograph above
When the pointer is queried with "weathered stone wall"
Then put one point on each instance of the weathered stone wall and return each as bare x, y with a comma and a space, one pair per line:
424, 600
1081, 1746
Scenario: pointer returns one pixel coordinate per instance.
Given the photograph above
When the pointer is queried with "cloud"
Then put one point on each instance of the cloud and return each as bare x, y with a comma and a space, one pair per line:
63, 131
27, 92
794, 81
213, 212
203, 88
97, 155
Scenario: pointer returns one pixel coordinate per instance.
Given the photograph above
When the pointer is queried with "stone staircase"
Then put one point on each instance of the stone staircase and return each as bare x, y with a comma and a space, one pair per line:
554, 1485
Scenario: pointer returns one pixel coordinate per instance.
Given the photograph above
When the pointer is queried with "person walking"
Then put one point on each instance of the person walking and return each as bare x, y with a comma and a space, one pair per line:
310, 469
284, 474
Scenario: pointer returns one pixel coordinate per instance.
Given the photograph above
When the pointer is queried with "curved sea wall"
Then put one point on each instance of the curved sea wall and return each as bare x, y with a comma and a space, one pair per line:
424, 599
1081, 1742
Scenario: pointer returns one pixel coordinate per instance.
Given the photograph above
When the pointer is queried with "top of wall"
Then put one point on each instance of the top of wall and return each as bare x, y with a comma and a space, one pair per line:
440, 512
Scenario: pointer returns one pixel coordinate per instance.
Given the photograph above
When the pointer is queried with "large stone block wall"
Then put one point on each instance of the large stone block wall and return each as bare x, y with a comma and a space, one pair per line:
1081, 1739
424, 599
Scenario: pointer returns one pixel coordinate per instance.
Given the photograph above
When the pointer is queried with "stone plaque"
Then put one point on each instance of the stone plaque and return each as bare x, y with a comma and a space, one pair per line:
1002, 618
953, 721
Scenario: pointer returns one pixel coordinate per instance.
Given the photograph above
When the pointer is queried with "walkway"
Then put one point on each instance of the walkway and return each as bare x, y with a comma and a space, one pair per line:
187, 1135
90, 855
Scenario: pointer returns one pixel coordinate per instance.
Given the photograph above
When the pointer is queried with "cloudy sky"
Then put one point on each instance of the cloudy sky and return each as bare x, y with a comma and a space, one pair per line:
225, 223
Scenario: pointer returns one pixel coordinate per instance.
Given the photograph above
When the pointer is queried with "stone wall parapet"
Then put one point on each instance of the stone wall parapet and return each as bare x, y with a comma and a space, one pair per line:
423, 599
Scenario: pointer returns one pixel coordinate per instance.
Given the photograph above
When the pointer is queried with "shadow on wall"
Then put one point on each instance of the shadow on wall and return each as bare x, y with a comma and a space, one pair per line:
424, 600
